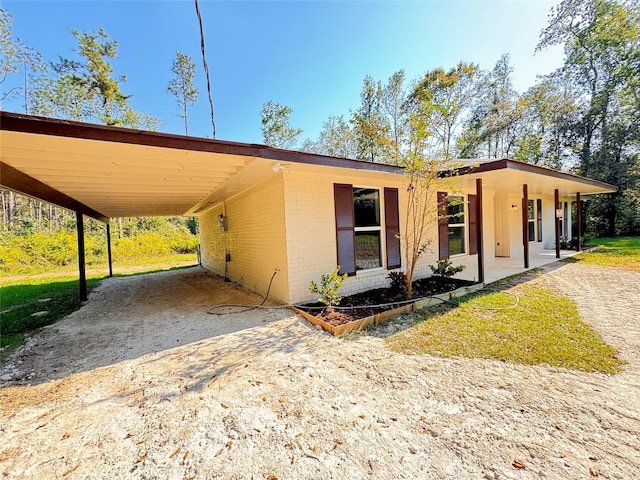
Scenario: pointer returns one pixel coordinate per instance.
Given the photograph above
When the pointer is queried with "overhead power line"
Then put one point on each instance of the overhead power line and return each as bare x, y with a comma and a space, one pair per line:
206, 69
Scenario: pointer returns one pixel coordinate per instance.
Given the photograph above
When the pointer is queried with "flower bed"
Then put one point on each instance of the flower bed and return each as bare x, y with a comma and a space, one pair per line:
376, 306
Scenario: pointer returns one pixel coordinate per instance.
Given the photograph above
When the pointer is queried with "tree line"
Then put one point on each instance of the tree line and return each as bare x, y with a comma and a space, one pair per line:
82, 87
583, 118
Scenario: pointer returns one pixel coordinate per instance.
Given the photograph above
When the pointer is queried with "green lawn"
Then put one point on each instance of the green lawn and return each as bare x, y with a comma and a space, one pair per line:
621, 252
530, 325
57, 295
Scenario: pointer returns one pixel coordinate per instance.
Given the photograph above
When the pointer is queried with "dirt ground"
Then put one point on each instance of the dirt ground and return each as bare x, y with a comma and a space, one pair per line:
141, 383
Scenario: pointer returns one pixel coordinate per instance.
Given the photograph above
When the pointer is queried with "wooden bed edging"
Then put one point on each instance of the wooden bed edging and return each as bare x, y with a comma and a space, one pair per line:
382, 317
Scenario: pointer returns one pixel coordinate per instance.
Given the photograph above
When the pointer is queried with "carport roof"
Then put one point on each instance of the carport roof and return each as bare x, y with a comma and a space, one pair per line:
106, 172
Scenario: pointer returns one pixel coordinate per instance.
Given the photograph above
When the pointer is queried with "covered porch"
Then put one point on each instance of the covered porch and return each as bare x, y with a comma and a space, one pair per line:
503, 267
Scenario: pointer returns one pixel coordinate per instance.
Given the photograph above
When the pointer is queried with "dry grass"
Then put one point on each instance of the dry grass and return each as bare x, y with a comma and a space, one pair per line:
527, 325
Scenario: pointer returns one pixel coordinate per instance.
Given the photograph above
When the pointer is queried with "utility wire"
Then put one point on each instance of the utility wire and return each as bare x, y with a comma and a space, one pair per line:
206, 69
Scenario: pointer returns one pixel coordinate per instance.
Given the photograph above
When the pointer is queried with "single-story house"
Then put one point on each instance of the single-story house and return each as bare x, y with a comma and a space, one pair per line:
263, 209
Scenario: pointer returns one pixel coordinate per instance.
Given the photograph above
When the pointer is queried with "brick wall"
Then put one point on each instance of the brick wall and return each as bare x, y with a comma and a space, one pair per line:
311, 231
255, 239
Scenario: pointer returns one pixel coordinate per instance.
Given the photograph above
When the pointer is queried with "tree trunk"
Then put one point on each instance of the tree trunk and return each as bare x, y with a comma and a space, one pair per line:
11, 206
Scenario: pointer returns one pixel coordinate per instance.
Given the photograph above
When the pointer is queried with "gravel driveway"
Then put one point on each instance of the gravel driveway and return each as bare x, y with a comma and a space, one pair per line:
176, 397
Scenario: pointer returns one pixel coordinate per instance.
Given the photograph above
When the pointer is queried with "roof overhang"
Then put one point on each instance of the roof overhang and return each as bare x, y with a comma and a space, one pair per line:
508, 176
108, 172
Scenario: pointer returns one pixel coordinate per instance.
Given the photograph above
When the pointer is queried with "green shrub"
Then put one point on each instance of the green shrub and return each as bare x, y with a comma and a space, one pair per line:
397, 283
444, 268
329, 286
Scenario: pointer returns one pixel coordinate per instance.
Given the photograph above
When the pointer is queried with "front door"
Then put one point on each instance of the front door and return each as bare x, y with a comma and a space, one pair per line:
501, 226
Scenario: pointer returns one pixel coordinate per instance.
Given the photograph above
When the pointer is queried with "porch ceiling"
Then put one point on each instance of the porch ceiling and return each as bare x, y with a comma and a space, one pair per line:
108, 172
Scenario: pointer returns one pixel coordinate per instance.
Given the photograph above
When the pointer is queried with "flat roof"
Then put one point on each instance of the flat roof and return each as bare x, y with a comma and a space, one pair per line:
106, 172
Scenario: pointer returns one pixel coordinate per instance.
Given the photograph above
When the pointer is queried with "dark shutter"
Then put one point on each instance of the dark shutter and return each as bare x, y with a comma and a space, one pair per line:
443, 226
539, 208
473, 224
392, 227
345, 234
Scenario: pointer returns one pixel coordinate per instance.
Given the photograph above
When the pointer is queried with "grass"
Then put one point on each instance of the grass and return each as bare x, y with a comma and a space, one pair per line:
531, 326
621, 252
21, 298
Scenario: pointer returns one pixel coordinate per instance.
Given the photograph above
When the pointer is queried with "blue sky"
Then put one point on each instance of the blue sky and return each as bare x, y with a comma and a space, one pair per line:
311, 56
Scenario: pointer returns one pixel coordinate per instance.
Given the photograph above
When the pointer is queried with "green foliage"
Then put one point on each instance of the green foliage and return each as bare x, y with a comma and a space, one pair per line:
276, 131
336, 139
369, 123
85, 88
397, 283
444, 268
146, 238
540, 328
181, 86
329, 286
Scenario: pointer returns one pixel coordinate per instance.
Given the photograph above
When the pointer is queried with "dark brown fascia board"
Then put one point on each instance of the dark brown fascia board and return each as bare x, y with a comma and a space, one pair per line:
506, 163
17, 122
66, 128
276, 154
22, 183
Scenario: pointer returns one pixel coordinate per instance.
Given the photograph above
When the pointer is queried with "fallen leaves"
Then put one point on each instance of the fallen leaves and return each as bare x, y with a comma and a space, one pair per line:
518, 464
71, 470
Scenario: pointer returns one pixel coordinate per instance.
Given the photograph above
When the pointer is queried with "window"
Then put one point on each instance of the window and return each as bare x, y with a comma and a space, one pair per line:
531, 218
539, 217
456, 230
360, 230
366, 214
452, 224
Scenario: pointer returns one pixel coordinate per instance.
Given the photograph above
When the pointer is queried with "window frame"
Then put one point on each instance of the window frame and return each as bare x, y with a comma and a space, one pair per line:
389, 219
531, 220
369, 228
457, 224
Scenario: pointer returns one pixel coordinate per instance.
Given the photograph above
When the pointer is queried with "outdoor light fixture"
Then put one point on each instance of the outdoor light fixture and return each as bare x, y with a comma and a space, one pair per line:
514, 206
278, 167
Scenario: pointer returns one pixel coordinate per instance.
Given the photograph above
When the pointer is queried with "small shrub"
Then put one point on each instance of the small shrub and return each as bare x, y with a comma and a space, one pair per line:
444, 268
397, 283
329, 286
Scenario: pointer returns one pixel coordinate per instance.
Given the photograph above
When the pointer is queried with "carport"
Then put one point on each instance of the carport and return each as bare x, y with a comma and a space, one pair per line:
109, 172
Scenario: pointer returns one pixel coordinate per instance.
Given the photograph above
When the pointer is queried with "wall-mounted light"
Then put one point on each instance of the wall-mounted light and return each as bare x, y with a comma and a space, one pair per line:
278, 167
514, 207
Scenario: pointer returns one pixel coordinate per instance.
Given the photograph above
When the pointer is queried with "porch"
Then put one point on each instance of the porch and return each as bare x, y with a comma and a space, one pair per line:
504, 267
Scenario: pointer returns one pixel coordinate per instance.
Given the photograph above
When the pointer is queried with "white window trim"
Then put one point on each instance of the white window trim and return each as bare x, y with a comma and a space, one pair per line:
377, 228
464, 225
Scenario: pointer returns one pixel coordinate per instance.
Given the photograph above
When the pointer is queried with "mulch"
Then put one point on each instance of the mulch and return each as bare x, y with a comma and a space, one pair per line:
379, 300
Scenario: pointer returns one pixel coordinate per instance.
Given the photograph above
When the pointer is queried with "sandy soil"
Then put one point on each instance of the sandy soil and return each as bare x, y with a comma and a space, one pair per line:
141, 383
